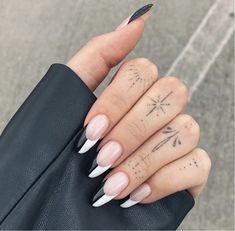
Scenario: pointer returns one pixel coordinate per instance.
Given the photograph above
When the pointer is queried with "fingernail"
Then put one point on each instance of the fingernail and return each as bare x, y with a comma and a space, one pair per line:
142, 12
124, 23
112, 187
92, 133
106, 157
137, 196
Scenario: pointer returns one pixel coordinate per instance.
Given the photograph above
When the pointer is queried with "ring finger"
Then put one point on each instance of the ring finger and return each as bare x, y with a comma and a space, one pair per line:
172, 142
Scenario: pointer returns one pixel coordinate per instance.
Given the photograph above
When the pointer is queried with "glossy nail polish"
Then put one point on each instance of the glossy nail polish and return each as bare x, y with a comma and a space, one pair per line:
112, 187
142, 11
92, 133
139, 13
137, 196
106, 157
81, 138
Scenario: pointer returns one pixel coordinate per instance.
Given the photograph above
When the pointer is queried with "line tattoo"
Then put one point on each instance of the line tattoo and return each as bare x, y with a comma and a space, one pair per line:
159, 104
137, 78
171, 135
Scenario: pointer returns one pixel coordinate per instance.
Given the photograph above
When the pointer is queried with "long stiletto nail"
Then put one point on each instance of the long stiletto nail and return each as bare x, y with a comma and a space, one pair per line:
92, 133
106, 157
139, 13
112, 187
137, 196
142, 11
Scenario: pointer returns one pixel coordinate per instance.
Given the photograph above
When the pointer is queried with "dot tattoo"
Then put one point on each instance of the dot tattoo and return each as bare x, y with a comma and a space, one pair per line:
171, 135
192, 163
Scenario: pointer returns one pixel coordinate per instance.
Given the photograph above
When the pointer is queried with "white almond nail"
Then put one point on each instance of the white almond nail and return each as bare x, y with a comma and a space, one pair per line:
103, 200
137, 195
88, 145
98, 171
129, 203
94, 132
97, 127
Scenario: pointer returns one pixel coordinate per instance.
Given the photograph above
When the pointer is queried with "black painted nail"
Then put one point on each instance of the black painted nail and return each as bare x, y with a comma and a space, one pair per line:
93, 166
81, 138
97, 170
99, 194
101, 198
143, 10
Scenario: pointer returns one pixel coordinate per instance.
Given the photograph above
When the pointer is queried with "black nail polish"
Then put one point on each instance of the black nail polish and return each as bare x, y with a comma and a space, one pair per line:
99, 194
143, 10
81, 138
93, 166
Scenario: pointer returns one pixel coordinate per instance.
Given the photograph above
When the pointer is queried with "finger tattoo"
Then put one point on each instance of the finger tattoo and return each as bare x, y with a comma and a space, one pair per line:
192, 163
159, 105
137, 78
171, 135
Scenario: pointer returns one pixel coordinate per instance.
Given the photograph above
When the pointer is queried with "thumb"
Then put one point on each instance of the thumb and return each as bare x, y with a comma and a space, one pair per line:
93, 62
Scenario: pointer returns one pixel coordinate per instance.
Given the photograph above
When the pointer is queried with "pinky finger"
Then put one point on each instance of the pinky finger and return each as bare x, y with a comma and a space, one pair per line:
189, 172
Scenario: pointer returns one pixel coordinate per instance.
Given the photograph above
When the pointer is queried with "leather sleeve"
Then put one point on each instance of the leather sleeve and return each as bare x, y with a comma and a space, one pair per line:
43, 181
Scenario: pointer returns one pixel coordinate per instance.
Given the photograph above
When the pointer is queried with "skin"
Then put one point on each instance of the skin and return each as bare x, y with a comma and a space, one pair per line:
145, 116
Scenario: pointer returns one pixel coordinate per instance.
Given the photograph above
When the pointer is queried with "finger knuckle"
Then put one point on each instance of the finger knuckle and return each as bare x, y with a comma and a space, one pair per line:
133, 129
192, 126
146, 64
145, 163
205, 161
180, 86
95, 39
117, 100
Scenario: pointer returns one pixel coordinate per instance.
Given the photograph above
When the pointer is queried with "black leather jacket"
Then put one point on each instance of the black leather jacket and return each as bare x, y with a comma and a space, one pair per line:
43, 181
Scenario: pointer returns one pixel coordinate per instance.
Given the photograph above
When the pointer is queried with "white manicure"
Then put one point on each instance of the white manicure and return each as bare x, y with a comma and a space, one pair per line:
129, 203
94, 131
87, 146
112, 187
106, 157
137, 196
103, 200
98, 171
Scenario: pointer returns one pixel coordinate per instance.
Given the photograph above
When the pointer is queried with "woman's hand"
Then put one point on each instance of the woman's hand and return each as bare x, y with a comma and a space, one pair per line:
146, 140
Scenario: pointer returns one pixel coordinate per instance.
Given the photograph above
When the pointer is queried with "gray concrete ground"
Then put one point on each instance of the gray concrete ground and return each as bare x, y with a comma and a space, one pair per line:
34, 34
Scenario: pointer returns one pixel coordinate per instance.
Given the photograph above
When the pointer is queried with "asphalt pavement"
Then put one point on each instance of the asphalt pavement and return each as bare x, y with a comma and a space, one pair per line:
191, 39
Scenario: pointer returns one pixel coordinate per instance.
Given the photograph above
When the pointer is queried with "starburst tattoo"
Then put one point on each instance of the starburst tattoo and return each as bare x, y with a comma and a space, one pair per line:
159, 105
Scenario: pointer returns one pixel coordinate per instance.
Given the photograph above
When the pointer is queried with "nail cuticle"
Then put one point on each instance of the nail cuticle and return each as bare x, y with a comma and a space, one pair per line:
97, 127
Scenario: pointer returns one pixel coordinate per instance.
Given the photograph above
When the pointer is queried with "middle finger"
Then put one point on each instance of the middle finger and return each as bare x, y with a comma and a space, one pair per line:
160, 104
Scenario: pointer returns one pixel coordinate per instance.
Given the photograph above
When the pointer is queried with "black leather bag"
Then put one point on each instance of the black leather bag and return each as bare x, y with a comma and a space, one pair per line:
43, 181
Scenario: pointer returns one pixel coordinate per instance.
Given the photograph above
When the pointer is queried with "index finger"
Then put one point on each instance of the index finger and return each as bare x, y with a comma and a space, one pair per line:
131, 81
